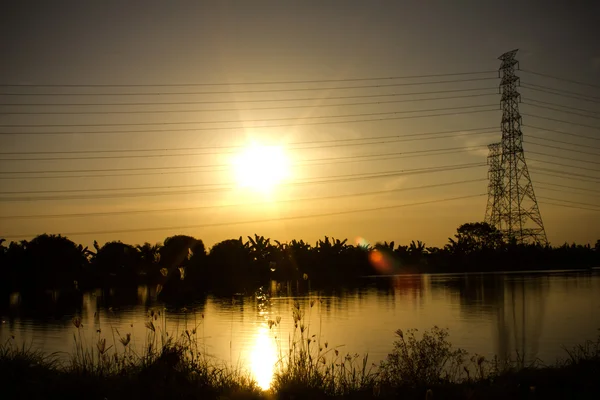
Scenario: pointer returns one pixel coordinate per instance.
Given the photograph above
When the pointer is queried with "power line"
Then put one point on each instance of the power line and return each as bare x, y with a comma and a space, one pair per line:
564, 191
562, 148
237, 121
225, 165
571, 202
135, 150
162, 210
571, 178
219, 224
562, 111
569, 187
306, 162
160, 168
561, 92
561, 165
562, 132
567, 206
562, 121
251, 91
171, 130
238, 101
570, 175
339, 160
211, 188
243, 109
561, 157
586, 146
561, 105
560, 79
245, 83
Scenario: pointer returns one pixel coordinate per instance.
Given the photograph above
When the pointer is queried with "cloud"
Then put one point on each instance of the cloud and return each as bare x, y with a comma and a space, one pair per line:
480, 141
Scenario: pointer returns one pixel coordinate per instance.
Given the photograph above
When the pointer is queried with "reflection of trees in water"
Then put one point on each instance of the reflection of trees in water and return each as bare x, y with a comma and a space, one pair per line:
524, 306
51, 306
515, 302
409, 287
477, 293
54, 307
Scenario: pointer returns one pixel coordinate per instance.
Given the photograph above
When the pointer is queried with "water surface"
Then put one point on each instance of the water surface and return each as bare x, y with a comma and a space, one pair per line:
533, 314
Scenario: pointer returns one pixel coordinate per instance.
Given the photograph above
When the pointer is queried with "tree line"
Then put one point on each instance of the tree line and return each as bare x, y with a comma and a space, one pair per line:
183, 264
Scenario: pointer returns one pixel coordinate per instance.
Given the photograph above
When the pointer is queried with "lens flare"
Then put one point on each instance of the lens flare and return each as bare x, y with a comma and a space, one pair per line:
362, 242
383, 261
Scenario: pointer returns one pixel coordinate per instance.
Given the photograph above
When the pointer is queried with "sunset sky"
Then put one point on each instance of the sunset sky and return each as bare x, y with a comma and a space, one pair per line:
74, 75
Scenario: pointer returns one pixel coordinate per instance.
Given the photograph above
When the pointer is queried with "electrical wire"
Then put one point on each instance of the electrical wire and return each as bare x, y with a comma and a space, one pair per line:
145, 156
570, 202
568, 187
250, 91
587, 146
570, 175
278, 219
561, 92
563, 158
561, 148
524, 86
221, 188
345, 160
560, 79
570, 178
167, 210
245, 128
238, 101
560, 165
319, 142
562, 111
163, 123
367, 103
562, 132
561, 105
561, 121
567, 206
563, 191
83, 85
129, 169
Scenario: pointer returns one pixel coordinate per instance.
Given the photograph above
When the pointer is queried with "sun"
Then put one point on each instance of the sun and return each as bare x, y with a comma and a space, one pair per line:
261, 167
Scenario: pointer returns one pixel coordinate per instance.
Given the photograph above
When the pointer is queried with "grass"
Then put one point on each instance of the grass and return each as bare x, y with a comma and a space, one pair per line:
313, 368
419, 366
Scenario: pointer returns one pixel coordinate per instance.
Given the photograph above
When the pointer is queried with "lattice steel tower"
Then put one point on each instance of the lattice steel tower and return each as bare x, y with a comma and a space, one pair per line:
495, 176
514, 208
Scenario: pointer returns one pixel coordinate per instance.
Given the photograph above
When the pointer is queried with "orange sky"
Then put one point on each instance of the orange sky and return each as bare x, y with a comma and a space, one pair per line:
231, 43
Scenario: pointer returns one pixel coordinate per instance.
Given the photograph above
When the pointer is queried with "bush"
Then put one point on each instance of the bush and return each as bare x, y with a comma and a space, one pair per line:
422, 362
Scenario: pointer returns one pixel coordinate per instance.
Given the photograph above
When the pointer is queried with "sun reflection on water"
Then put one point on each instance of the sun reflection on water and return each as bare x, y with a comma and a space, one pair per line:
263, 357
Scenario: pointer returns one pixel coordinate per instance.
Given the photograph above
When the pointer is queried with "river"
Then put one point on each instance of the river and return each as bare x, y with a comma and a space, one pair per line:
534, 314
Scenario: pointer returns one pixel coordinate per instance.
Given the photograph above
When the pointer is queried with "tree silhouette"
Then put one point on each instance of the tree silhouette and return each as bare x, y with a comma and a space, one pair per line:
49, 261
231, 265
117, 263
150, 259
181, 266
474, 237
184, 260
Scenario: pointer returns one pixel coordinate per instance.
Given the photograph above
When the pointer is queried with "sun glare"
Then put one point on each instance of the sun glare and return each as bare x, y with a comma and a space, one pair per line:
263, 358
260, 167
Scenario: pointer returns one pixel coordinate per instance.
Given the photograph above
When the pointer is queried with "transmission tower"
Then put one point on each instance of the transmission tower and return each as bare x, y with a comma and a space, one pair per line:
495, 176
514, 209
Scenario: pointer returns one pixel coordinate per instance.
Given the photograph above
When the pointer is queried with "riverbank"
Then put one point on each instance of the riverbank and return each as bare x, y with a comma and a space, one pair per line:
176, 368
182, 266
